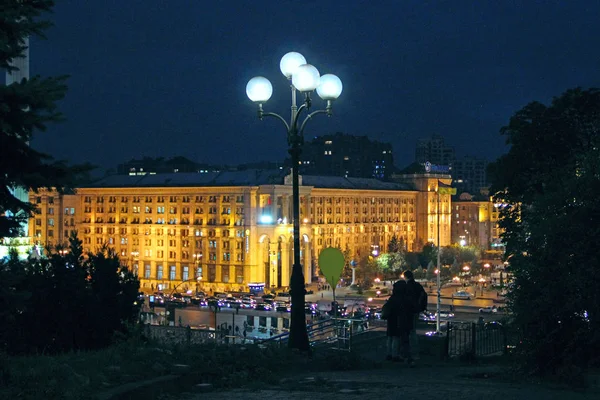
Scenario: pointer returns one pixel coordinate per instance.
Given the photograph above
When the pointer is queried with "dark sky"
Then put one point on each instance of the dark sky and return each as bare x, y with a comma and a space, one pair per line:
166, 78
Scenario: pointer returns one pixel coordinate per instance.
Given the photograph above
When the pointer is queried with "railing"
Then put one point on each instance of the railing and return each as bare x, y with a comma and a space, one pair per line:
183, 335
475, 339
333, 333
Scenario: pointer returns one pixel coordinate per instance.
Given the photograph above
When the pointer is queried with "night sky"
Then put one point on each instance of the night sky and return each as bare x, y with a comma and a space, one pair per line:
167, 78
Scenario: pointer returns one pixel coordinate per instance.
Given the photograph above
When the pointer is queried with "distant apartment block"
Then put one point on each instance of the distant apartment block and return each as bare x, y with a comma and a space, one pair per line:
435, 151
347, 156
469, 174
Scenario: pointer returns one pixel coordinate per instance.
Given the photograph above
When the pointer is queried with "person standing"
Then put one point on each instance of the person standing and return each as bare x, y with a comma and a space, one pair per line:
418, 297
398, 311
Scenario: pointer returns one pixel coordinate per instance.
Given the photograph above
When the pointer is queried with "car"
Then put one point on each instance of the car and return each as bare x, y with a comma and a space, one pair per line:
461, 294
262, 307
426, 316
492, 325
488, 310
444, 314
283, 307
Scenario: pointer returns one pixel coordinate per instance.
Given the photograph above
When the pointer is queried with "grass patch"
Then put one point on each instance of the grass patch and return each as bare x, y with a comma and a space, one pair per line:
84, 375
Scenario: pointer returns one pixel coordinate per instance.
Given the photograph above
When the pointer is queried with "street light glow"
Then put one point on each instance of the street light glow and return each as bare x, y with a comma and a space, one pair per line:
290, 63
259, 89
330, 87
306, 78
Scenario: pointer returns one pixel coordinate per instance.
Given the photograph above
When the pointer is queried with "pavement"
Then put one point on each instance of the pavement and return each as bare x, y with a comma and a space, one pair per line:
397, 381
376, 379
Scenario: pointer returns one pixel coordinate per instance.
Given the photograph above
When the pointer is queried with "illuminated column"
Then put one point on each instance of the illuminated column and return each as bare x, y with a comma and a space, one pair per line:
285, 263
307, 261
272, 264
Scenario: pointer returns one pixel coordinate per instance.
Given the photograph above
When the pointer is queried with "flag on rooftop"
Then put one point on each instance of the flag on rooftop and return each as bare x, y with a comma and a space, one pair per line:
445, 189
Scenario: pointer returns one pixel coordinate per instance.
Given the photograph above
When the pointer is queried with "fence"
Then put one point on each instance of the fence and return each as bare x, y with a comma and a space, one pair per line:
475, 339
183, 335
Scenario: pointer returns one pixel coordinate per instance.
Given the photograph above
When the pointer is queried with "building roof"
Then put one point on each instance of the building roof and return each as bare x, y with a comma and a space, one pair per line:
340, 182
251, 177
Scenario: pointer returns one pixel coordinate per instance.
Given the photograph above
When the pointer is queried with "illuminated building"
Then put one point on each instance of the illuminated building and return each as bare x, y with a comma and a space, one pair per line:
475, 223
226, 230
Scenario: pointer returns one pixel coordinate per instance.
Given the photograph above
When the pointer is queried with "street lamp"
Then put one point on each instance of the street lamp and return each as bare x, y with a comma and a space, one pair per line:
305, 78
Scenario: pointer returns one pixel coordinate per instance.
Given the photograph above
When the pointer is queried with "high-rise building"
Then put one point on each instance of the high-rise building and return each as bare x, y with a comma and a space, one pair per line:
232, 229
469, 174
21, 242
435, 151
347, 156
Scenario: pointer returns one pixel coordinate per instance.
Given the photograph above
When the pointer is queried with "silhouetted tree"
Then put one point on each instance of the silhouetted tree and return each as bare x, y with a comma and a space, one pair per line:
548, 184
27, 106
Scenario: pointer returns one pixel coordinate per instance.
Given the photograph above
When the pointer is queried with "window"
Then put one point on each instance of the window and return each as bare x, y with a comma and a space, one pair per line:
159, 272
239, 274
225, 273
199, 273
147, 270
172, 272
160, 210
185, 273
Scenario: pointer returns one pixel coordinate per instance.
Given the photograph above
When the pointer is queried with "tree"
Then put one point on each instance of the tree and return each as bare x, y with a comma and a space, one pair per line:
366, 272
347, 271
393, 245
428, 254
27, 106
449, 255
391, 264
548, 184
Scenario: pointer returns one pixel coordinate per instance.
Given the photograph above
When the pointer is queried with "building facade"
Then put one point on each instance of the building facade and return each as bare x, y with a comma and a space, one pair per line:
469, 174
224, 231
475, 223
435, 151
347, 156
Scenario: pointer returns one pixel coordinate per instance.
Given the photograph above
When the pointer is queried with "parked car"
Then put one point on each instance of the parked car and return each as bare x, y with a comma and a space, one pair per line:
488, 310
461, 294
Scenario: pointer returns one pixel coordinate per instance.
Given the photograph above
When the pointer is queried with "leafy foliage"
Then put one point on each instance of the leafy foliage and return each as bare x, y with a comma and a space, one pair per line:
366, 272
27, 106
65, 302
549, 182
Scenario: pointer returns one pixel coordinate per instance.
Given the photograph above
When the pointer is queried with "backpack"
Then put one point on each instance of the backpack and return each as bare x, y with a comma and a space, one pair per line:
386, 310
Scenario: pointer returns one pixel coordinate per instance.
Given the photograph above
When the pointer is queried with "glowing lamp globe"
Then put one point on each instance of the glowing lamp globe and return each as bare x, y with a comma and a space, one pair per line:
290, 63
330, 87
259, 89
306, 78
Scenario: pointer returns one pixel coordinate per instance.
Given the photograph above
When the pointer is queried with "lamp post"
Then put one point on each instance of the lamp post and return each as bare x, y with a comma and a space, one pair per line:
304, 78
